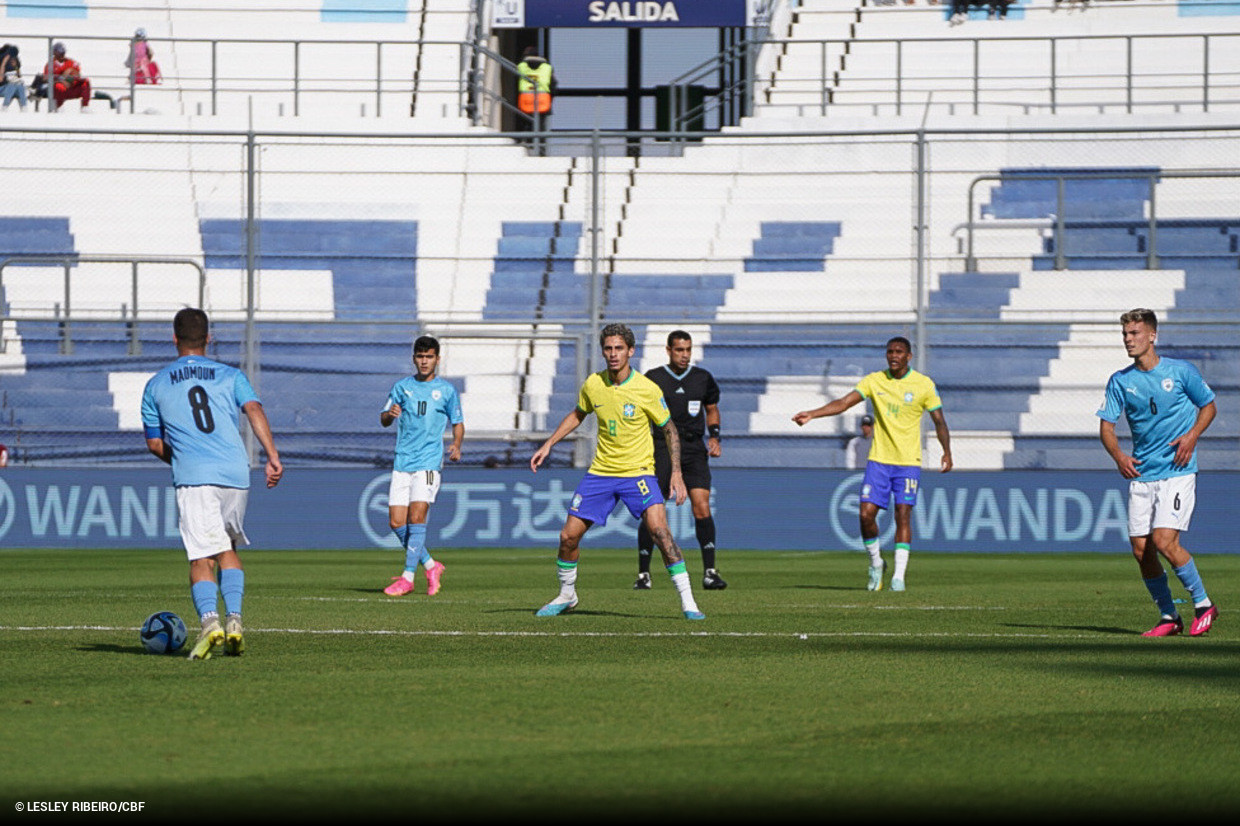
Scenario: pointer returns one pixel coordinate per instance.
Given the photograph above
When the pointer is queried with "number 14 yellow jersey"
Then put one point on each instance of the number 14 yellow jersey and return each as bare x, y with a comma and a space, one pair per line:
898, 405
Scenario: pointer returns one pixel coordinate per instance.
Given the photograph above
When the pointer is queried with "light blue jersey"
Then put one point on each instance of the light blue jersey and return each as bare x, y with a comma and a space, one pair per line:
1161, 405
427, 408
193, 404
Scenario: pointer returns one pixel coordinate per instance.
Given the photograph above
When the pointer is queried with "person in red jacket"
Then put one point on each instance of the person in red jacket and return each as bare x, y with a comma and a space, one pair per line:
67, 78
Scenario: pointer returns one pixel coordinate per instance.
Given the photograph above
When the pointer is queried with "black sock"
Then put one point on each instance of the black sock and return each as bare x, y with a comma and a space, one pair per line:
705, 530
645, 547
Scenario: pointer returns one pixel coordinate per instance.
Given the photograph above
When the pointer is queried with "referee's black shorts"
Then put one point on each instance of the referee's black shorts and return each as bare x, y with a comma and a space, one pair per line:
694, 465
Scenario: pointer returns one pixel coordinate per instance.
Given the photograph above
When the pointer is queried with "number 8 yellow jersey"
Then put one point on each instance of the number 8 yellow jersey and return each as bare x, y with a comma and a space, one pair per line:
625, 412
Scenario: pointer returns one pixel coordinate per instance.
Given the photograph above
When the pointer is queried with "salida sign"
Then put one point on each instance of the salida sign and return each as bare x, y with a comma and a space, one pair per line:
630, 13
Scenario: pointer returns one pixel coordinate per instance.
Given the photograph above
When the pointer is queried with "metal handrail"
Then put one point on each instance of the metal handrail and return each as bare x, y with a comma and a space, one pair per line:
1152, 178
680, 115
827, 81
68, 261
268, 79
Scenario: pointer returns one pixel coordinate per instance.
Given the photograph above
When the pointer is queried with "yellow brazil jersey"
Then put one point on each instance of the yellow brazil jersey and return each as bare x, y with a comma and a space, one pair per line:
898, 405
625, 412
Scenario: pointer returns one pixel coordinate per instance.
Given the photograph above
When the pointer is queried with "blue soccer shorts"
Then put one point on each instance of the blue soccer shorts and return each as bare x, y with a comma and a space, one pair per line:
596, 496
883, 482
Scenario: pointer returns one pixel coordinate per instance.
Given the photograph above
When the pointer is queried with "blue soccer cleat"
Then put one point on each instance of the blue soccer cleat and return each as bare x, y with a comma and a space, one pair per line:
694, 615
897, 585
876, 577
556, 607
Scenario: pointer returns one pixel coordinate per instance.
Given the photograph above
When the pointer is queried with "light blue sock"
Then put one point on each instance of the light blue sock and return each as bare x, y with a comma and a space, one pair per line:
1191, 580
417, 542
206, 600
402, 533
1161, 593
232, 586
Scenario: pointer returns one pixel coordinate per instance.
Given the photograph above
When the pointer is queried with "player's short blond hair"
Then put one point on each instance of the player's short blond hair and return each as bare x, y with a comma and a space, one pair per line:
1140, 315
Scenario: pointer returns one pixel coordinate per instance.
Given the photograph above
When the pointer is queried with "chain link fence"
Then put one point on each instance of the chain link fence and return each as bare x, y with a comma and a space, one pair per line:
1005, 255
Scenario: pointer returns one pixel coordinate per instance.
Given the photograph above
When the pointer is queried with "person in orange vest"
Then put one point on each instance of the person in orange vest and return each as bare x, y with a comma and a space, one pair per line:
535, 86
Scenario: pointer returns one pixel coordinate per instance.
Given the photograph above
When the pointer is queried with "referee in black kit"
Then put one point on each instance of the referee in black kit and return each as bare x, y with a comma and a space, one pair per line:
693, 399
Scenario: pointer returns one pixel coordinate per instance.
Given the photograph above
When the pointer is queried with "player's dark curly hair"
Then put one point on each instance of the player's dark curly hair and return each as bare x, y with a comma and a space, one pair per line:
621, 330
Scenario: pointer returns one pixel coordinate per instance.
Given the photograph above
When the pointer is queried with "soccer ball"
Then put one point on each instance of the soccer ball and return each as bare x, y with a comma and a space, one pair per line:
163, 633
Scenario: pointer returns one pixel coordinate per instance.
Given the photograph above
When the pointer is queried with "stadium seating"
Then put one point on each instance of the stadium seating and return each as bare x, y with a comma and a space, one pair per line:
791, 258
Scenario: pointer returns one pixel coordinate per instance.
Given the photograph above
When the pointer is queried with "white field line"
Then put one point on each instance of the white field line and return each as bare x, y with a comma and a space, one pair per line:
782, 605
804, 635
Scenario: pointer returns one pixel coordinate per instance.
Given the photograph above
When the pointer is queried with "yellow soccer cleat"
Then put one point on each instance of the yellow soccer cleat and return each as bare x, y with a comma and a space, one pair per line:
211, 638
234, 643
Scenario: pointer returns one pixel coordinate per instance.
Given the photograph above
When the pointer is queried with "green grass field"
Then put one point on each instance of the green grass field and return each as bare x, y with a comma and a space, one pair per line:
995, 686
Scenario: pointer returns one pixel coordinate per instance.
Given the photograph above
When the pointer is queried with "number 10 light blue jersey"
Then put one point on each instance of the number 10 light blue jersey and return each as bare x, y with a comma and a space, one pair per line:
1161, 405
426, 410
193, 405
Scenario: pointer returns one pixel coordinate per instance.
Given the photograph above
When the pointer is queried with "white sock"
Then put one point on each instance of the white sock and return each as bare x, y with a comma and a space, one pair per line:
685, 589
874, 547
901, 562
567, 573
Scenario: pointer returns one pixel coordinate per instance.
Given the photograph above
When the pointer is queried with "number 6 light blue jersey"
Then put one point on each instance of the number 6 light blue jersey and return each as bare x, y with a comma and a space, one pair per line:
193, 405
1161, 405
427, 408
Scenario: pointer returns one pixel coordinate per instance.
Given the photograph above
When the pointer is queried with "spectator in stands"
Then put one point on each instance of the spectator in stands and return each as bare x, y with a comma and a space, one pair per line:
4, 456
898, 395
67, 80
999, 9
190, 413
692, 396
536, 86
960, 12
626, 404
858, 451
1168, 406
423, 406
11, 82
141, 64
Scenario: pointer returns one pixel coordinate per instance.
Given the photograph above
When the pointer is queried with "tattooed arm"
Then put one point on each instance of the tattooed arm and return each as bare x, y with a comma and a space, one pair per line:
676, 487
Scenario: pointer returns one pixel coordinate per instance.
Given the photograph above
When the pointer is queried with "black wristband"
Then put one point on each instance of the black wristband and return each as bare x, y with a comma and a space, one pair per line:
714, 431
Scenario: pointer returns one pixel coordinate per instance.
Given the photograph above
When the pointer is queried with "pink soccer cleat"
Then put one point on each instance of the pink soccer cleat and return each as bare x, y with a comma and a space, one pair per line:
1166, 627
433, 574
1204, 620
400, 586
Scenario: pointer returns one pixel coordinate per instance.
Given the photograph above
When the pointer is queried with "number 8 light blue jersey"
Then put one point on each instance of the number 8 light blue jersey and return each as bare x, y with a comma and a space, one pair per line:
426, 410
1161, 405
193, 405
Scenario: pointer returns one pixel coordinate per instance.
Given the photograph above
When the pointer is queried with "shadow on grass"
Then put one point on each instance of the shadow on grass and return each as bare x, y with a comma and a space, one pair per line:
576, 612
1099, 629
113, 648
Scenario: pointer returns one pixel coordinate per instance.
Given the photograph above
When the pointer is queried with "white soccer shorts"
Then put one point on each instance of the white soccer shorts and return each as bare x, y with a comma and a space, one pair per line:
1167, 503
413, 486
212, 519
